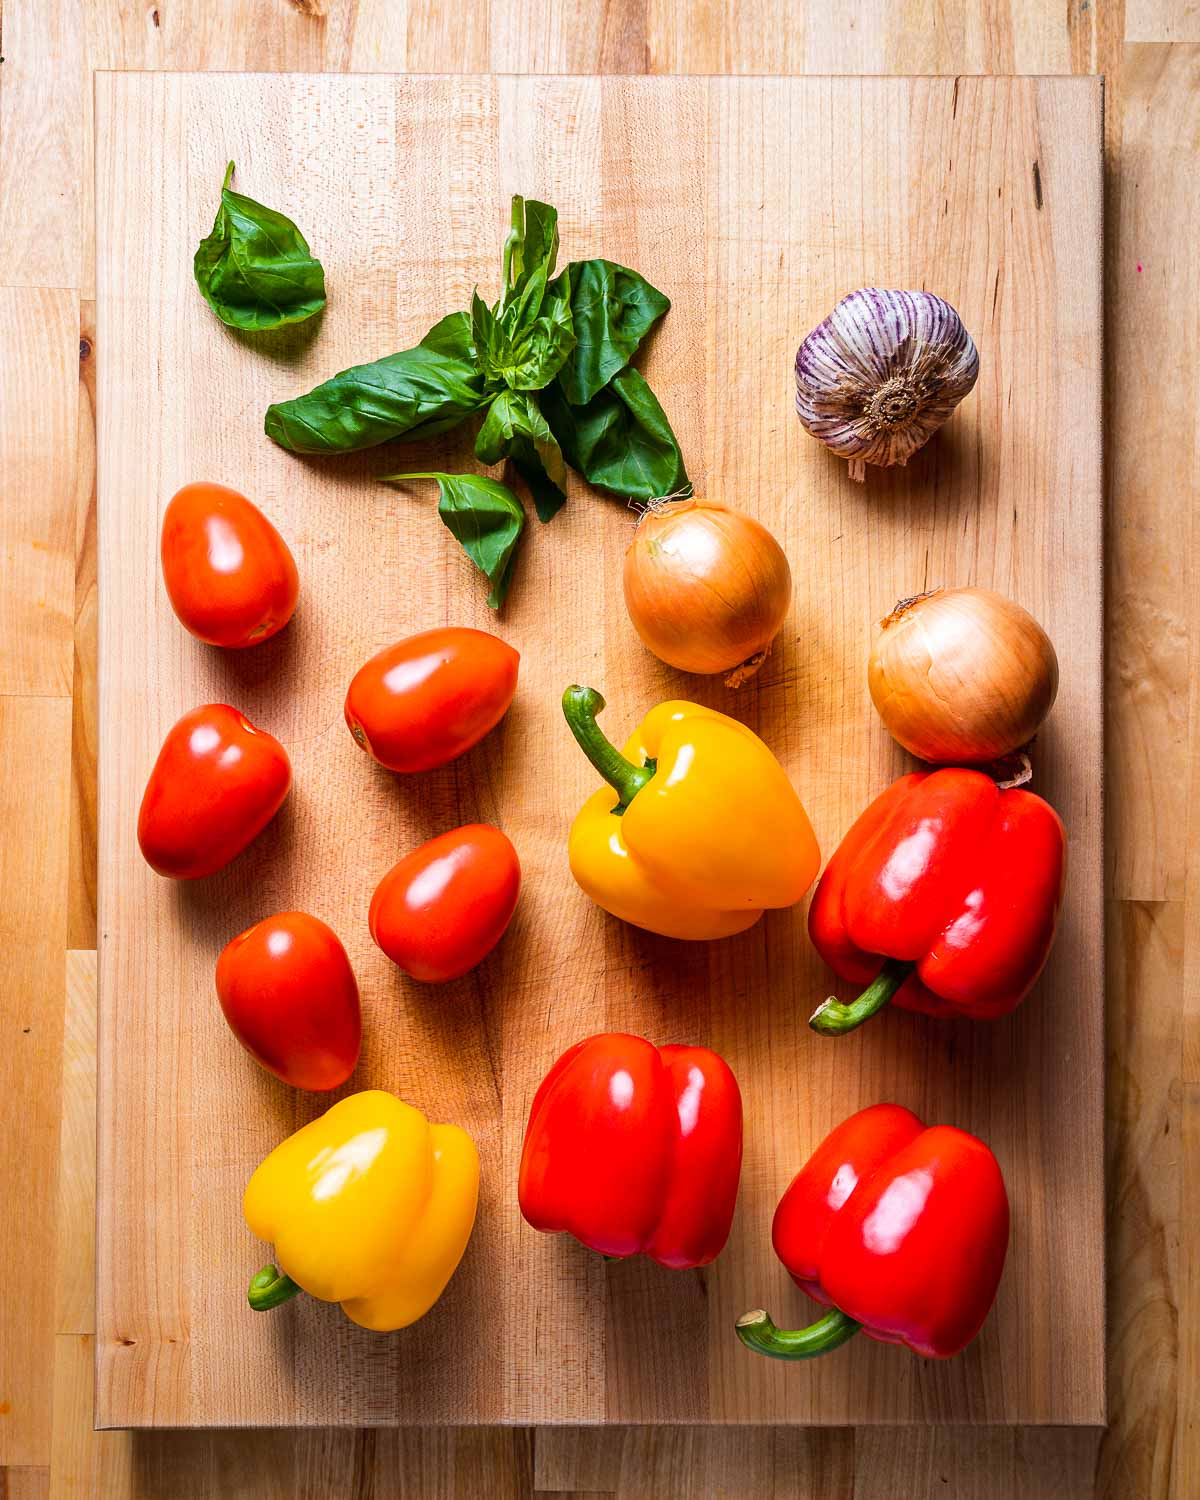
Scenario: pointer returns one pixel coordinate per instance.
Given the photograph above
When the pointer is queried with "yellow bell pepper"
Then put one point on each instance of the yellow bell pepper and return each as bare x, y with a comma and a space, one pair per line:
369, 1206
699, 829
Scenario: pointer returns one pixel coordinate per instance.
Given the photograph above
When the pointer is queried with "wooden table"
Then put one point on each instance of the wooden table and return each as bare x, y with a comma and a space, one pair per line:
1150, 52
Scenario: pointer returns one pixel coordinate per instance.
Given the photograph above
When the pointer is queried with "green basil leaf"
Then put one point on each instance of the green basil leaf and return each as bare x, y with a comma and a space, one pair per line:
485, 516
613, 308
486, 333
525, 357
255, 269
530, 247
515, 428
452, 336
410, 395
520, 313
620, 440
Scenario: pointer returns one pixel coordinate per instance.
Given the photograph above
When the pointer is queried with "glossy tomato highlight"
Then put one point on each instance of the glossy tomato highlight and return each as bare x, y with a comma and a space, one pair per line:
430, 698
289, 994
446, 905
215, 786
229, 574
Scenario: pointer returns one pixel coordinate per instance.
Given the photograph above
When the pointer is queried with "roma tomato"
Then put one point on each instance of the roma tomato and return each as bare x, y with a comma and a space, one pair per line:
445, 906
290, 997
229, 575
427, 699
216, 785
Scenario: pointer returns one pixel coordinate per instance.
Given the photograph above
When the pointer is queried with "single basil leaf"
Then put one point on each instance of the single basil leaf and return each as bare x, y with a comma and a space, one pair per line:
528, 357
255, 268
488, 336
620, 440
485, 516
452, 336
515, 428
613, 308
530, 246
410, 395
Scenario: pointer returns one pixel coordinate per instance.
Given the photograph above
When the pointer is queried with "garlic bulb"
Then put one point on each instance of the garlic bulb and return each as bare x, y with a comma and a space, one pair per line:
881, 374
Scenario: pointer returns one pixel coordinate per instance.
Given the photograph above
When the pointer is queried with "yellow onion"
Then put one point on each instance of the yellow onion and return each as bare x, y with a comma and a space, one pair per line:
962, 676
706, 587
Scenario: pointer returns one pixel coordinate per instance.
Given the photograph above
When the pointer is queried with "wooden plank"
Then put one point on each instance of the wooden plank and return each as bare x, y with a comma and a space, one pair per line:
24, 1484
81, 908
1027, 280
1034, 1463
1145, 1221
775, 36
1149, 667
34, 800
38, 405
75, 1221
420, 1464
1158, 21
638, 1463
1152, 1447
85, 1464
42, 130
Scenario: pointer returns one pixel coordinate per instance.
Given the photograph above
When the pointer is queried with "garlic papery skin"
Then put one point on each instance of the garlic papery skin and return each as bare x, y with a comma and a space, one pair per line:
881, 374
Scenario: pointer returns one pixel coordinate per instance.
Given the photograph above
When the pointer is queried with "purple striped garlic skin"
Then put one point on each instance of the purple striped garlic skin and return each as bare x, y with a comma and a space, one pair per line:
882, 373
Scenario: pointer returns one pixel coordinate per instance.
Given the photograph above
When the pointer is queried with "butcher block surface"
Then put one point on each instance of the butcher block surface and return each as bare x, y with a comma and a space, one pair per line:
754, 204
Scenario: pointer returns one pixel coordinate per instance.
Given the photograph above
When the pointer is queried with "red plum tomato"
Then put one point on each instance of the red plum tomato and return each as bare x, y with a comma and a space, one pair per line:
215, 786
289, 994
428, 699
229, 574
446, 905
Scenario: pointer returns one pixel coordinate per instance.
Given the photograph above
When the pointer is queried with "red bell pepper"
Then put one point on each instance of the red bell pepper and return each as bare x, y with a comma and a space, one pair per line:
944, 896
900, 1229
635, 1149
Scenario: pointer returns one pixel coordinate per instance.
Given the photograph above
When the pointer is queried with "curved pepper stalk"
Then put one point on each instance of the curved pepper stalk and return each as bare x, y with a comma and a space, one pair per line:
833, 1017
270, 1288
580, 707
757, 1331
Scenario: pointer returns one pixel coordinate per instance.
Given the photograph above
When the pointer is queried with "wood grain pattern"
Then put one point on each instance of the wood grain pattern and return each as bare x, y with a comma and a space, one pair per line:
690, 1463
932, 182
37, 517
1146, 1456
34, 800
81, 907
45, 193
1162, 21
1152, 1443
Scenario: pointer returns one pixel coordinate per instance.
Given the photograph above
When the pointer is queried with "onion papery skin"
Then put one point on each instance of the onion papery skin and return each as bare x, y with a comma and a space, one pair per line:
962, 676
707, 588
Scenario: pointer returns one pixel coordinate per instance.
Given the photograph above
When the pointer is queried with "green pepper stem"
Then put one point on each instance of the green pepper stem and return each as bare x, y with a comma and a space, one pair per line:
269, 1288
581, 705
833, 1017
757, 1331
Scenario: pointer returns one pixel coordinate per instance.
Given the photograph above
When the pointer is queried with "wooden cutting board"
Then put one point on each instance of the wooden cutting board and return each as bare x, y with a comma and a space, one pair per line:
755, 204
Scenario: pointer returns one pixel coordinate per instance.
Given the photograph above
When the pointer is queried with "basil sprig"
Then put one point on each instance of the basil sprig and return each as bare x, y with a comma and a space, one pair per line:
255, 268
548, 366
